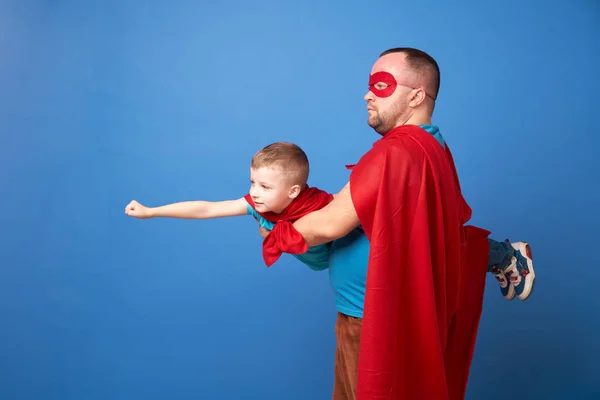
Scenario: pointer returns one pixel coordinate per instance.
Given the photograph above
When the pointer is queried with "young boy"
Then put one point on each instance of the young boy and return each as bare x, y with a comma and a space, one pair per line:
279, 191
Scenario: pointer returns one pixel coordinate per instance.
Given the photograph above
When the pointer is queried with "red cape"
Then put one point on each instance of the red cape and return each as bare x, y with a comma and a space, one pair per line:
283, 237
426, 271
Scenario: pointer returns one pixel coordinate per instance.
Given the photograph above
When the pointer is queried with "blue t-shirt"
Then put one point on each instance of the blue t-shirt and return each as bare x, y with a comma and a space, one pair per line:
348, 261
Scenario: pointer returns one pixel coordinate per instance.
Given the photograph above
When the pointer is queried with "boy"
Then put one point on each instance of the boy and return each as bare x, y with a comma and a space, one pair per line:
278, 176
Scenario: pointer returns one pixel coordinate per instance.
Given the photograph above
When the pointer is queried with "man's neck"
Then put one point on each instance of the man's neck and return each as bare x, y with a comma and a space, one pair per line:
418, 120
415, 119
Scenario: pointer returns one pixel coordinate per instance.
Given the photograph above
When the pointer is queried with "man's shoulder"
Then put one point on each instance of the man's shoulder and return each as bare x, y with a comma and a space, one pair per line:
403, 149
413, 141
397, 147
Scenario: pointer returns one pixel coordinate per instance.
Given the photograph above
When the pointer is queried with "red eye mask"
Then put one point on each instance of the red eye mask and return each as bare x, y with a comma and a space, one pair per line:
382, 77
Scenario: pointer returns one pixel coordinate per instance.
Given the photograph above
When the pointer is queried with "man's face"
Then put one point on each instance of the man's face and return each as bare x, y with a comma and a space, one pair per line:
388, 98
270, 190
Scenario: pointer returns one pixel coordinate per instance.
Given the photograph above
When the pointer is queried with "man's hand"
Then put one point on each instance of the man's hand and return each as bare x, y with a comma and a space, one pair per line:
137, 210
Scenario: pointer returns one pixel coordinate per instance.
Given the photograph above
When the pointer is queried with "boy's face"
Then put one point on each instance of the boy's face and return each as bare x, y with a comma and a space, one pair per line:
271, 190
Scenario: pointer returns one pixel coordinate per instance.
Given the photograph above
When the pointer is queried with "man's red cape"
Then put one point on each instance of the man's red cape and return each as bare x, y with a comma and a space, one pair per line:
426, 271
283, 237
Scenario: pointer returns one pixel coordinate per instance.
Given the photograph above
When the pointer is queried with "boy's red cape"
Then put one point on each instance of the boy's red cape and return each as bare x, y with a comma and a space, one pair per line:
283, 237
426, 271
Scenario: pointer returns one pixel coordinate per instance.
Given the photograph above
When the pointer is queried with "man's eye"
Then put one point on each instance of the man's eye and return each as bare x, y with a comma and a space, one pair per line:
380, 86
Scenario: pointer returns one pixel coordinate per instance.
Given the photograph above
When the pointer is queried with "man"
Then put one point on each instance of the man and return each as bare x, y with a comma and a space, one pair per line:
403, 213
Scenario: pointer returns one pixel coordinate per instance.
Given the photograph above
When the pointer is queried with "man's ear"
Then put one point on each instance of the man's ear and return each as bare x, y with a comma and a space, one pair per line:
294, 191
417, 97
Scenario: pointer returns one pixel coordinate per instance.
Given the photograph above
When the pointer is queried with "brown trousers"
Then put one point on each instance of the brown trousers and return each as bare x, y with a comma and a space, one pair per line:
347, 334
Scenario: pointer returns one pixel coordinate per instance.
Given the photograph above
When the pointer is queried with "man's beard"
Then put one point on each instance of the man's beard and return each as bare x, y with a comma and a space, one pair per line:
382, 123
379, 123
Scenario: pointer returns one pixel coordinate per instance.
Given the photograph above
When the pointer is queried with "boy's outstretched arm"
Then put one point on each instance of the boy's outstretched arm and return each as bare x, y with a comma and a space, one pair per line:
189, 209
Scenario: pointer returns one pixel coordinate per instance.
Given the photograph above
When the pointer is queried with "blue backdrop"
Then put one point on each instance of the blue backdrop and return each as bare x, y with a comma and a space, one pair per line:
105, 102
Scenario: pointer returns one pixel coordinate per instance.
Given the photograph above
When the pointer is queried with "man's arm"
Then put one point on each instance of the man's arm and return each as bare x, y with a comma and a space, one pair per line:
332, 222
190, 209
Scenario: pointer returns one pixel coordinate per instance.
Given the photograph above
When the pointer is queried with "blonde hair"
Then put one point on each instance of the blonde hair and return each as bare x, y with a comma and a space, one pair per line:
286, 157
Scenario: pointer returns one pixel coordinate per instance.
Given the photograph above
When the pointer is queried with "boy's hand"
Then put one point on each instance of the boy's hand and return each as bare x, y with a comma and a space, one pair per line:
263, 231
135, 209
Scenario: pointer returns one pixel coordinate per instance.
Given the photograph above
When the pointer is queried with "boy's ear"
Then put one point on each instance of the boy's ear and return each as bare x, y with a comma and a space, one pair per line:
294, 191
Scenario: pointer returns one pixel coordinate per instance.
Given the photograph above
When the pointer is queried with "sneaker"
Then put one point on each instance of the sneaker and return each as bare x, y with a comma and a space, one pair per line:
507, 290
520, 271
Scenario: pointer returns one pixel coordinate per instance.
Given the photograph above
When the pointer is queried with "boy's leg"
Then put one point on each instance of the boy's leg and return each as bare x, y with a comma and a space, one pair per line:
512, 265
520, 271
499, 257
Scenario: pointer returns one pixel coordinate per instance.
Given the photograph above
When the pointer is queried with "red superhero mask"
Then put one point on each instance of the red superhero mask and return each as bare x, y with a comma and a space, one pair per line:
382, 77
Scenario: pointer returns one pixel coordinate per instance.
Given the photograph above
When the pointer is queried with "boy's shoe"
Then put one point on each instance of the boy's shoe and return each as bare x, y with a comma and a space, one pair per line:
506, 288
520, 271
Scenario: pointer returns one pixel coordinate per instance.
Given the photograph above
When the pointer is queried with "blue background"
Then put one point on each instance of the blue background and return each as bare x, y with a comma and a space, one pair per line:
105, 102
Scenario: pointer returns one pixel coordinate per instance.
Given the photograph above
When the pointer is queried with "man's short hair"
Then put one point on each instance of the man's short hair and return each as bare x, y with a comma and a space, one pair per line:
422, 63
286, 157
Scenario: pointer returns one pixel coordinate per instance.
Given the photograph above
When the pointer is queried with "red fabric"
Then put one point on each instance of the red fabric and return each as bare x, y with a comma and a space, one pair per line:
283, 237
424, 291
382, 77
